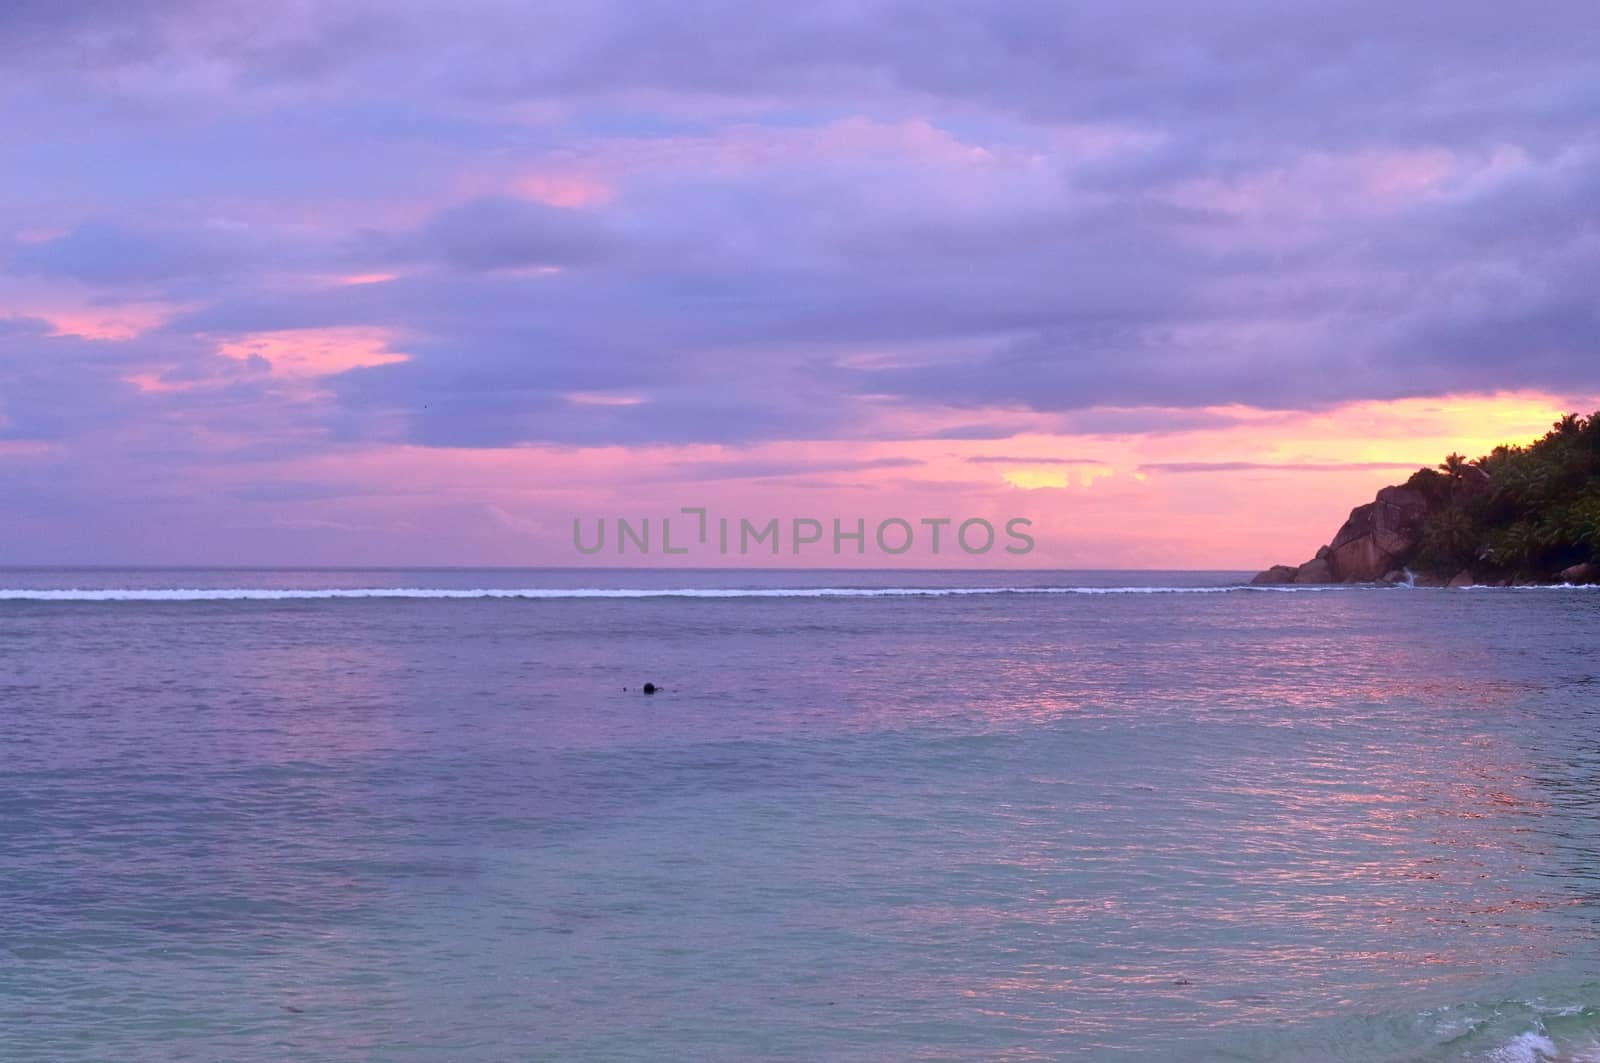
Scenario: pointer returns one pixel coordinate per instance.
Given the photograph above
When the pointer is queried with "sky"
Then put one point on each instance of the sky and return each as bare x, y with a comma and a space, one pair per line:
425, 283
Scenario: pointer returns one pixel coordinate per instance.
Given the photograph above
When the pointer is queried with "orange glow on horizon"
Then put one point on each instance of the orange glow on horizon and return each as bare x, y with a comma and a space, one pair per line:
1259, 487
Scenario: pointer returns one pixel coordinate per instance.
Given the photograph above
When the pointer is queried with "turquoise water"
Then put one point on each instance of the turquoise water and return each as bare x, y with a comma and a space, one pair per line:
1121, 816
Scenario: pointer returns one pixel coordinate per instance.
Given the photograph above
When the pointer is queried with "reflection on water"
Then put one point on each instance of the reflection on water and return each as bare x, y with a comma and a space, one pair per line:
1337, 826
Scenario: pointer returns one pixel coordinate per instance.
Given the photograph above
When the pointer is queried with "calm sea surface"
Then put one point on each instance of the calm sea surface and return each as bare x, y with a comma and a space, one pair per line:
1148, 819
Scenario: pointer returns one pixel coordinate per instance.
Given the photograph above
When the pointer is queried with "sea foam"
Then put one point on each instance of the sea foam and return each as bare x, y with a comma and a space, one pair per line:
274, 594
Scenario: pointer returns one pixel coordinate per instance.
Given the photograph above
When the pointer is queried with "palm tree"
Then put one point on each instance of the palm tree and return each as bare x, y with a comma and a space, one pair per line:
1451, 538
1516, 545
1538, 510
1585, 523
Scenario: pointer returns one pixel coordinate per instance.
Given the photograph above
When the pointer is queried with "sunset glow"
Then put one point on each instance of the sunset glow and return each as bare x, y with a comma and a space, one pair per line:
436, 319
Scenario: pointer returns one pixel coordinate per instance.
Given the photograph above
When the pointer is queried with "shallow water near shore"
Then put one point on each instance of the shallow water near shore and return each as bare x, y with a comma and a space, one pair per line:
871, 815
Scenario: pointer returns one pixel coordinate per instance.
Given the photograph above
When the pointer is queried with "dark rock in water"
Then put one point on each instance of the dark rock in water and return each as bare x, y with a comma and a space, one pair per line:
1378, 535
649, 688
1273, 576
1373, 545
1316, 570
1462, 579
1581, 574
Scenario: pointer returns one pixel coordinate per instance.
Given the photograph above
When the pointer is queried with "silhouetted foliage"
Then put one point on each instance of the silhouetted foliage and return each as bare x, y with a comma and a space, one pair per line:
1524, 511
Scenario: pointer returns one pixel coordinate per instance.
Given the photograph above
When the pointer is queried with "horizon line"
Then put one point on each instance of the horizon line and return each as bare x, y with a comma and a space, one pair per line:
104, 567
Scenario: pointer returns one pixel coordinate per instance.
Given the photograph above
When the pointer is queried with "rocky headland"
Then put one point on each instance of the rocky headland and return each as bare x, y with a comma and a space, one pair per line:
1517, 515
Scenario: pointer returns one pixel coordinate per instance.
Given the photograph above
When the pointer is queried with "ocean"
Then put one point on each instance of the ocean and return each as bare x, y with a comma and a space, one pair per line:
430, 815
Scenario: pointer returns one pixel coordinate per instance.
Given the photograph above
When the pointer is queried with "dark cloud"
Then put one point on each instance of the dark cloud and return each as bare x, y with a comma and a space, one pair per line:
771, 469
291, 491
499, 233
975, 431
1339, 72
1002, 459
55, 388
1270, 466
116, 254
1143, 421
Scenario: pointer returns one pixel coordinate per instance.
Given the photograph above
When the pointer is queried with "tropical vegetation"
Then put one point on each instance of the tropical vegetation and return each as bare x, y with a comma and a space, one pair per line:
1523, 511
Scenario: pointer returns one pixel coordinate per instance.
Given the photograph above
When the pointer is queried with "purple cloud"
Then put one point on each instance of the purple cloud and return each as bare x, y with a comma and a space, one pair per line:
802, 216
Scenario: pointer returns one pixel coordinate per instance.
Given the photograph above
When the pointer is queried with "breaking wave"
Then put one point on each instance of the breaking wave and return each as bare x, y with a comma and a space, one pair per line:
291, 594
217, 594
